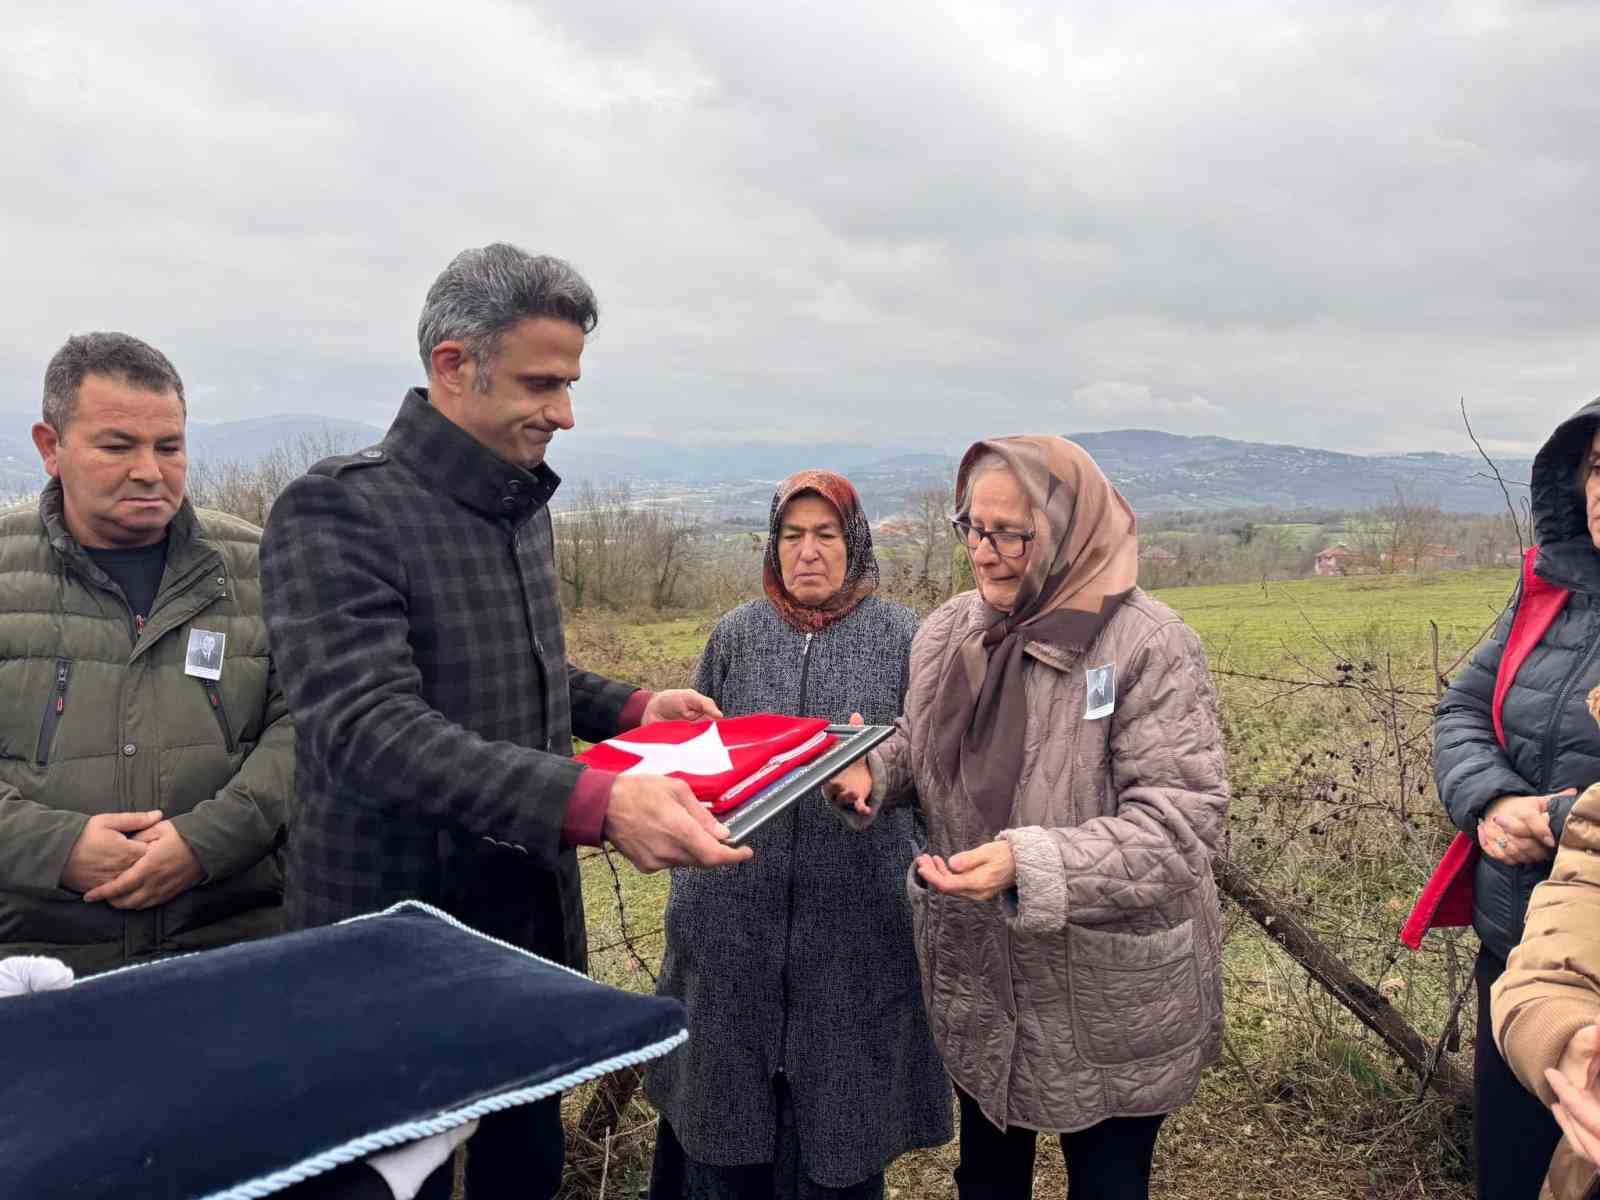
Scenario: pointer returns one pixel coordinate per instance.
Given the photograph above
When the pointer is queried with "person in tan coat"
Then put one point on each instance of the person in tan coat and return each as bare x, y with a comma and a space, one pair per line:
1546, 1006
1061, 736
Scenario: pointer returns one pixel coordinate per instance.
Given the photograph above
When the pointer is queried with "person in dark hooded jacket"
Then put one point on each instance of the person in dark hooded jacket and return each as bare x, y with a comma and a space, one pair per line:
1516, 799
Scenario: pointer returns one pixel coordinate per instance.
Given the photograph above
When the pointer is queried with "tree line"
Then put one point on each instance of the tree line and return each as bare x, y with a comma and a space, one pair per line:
619, 550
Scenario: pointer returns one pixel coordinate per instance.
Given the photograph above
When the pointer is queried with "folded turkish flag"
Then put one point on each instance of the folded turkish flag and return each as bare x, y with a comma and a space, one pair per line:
724, 762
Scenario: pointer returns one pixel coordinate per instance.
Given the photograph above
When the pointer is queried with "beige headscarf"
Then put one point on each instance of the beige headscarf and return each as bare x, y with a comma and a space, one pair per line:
1084, 563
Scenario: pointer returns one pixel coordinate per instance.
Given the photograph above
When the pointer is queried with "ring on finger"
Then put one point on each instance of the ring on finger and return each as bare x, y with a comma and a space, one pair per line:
1500, 843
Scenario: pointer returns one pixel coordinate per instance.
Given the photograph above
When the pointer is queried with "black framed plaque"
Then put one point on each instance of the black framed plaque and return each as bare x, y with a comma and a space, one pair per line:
853, 743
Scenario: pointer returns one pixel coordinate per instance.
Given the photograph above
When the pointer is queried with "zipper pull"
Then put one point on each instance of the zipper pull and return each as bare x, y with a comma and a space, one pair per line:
61, 689
806, 649
138, 623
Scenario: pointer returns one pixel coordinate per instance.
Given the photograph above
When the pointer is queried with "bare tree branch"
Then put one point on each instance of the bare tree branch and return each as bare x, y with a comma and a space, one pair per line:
1511, 508
1363, 1000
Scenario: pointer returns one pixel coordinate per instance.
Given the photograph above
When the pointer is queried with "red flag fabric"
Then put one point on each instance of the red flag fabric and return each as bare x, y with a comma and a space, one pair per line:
724, 762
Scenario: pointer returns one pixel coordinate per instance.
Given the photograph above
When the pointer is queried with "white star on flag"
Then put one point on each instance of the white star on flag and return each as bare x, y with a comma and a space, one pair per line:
703, 754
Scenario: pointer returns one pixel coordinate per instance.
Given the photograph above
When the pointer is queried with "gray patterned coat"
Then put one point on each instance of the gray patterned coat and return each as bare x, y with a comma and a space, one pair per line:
801, 960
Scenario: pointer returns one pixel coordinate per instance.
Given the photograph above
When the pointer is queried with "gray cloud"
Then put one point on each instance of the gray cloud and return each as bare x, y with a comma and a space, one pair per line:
901, 221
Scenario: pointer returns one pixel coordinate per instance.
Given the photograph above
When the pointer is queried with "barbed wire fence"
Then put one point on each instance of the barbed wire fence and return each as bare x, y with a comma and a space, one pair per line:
613, 1114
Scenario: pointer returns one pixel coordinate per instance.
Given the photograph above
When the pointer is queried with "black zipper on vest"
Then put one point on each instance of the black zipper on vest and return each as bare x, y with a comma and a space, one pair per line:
1554, 725
214, 694
54, 707
794, 850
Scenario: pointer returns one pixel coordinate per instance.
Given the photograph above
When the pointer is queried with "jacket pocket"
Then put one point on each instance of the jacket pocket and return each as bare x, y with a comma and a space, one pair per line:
1133, 996
214, 696
55, 707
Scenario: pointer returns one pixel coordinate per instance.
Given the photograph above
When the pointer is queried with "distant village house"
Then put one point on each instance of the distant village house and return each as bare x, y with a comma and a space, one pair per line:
1339, 559
1431, 558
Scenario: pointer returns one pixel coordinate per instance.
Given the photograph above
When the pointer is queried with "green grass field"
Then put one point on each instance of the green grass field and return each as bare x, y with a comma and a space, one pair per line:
1256, 626
1250, 625
1300, 533
680, 637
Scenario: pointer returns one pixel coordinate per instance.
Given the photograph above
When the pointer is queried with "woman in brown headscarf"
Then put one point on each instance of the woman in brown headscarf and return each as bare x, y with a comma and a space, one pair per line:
810, 1066
1061, 736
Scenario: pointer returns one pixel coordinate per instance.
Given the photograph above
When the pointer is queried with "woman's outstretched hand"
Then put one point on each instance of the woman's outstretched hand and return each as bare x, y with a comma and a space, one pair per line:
981, 873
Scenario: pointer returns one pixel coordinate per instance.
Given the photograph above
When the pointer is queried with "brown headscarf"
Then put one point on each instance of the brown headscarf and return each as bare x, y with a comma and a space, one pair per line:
1084, 563
860, 565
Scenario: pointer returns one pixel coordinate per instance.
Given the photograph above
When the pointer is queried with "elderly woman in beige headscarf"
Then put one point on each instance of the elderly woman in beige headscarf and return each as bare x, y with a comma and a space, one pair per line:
1061, 736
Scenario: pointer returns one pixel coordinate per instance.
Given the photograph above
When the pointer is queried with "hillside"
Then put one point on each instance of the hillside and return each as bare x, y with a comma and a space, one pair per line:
1158, 472
1161, 472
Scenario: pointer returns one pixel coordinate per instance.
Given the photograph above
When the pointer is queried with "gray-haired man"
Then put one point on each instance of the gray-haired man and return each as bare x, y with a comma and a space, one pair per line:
412, 601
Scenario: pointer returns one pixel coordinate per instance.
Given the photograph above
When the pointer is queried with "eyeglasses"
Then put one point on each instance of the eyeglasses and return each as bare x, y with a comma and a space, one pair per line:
1007, 543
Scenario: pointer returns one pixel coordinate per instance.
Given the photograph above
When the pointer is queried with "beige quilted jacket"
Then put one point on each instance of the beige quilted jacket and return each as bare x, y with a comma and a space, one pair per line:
1551, 985
1094, 991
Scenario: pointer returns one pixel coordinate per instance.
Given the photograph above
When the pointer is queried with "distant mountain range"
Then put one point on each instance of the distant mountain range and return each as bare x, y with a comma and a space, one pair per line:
235, 441
1163, 472
1158, 472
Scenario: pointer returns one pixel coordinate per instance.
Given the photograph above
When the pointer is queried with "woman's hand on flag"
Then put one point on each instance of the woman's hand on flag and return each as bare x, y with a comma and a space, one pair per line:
680, 704
657, 822
852, 787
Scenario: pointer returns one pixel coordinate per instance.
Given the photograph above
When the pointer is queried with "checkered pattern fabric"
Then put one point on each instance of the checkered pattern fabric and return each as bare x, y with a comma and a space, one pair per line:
412, 602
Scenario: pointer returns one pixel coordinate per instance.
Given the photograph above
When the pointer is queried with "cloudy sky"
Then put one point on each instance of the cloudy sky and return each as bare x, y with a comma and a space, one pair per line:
912, 222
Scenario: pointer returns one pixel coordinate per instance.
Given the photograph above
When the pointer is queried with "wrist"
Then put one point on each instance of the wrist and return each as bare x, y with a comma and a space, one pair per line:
588, 808
57, 859
633, 711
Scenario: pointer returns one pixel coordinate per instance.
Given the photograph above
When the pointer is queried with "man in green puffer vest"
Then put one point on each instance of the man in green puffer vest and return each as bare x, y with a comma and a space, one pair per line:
146, 754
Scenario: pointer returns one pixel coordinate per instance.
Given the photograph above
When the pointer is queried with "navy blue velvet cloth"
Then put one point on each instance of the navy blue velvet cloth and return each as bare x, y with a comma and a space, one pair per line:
192, 1076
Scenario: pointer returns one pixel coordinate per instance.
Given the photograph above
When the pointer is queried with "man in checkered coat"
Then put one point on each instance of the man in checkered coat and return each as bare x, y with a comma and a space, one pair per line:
411, 599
